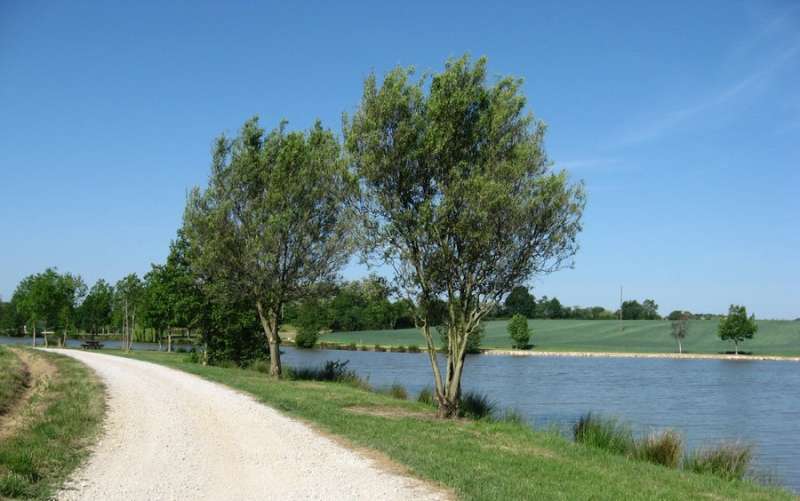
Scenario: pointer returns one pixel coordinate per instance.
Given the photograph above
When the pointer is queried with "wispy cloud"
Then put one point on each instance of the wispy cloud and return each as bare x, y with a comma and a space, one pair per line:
589, 163
757, 79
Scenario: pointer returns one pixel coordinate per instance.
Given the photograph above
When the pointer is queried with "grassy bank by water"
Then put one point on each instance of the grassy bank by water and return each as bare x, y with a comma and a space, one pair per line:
774, 337
47, 431
474, 459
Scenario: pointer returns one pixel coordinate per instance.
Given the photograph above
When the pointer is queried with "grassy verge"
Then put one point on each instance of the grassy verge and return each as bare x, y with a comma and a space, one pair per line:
54, 428
474, 459
13, 379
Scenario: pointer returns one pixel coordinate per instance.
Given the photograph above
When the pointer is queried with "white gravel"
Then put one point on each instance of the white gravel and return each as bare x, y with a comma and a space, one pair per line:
172, 435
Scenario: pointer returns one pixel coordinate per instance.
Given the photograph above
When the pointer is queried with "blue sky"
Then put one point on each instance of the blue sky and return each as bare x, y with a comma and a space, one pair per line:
683, 118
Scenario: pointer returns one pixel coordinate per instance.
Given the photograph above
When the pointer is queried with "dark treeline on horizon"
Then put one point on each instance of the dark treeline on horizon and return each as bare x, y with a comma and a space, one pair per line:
155, 302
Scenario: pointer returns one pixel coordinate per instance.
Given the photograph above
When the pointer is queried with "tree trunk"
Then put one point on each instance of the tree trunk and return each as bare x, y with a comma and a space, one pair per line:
680, 348
34, 335
270, 324
736, 347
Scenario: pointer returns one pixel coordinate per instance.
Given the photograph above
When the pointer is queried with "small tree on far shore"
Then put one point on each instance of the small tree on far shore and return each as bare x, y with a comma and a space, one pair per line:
680, 328
737, 326
519, 332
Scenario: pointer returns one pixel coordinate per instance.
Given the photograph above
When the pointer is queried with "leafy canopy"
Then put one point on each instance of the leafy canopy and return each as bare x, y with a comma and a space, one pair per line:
458, 195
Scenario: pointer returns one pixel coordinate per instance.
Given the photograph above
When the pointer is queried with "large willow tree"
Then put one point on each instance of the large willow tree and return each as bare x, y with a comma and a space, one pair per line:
272, 222
458, 195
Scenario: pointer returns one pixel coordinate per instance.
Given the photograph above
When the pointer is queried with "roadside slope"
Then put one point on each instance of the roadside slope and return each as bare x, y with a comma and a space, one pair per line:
172, 435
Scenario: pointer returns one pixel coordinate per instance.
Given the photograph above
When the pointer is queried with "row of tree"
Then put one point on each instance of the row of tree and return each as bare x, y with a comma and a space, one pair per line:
444, 178
521, 301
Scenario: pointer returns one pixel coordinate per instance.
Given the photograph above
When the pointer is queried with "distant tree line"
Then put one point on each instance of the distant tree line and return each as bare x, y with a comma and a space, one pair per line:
367, 304
521, 302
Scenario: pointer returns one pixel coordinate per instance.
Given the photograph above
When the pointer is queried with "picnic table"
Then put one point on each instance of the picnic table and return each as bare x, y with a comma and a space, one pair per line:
91, 344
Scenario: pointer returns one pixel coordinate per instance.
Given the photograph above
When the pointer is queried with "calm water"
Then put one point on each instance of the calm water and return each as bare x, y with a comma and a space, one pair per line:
757, 402
707, 400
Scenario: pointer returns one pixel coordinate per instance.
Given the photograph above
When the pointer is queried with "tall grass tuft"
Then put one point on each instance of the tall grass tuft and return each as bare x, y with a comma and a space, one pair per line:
729, 461
476, 406
396, 391
512, 416
331, 371
664, 448
425, 396
604, 433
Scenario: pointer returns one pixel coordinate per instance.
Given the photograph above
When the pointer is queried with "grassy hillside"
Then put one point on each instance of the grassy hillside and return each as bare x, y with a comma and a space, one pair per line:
474, 459
774, 337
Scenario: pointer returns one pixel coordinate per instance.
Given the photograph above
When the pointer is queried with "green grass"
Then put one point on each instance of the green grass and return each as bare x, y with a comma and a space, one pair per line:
13, 379
59, 423
475, 459
774, 337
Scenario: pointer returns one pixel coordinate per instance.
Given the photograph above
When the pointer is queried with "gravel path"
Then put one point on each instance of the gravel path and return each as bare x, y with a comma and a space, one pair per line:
173, 435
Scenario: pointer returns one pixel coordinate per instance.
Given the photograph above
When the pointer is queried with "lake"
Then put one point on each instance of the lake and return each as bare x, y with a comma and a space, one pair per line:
708, 401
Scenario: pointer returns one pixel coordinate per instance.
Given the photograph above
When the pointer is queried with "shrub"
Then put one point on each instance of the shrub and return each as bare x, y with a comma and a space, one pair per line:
352, 347
261, 366
332, 370
396, 391
663, 448
604, 433
519, 332
476, 406
307, 336
401, 349
729, 461
379, 348
413, 348
425, 396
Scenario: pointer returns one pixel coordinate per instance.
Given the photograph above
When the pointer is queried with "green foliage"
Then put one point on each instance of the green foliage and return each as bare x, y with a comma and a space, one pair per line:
521, 302
729, 461
425, 396
95, 312
604, 433
306, 337
441, 161
49, 300
549, 308
397, 391
664, 448
308, 320
680, 329
273, 221
633, 310
737, 326
475, 405
331, 370
518, 330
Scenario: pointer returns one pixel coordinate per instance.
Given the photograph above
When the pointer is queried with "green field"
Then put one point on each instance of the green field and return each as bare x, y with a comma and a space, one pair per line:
774, 337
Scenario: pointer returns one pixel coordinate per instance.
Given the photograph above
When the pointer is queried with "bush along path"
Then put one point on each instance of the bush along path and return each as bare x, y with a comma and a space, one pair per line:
47, 431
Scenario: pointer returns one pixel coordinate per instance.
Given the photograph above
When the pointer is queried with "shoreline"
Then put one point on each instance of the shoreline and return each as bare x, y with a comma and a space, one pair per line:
621, 354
